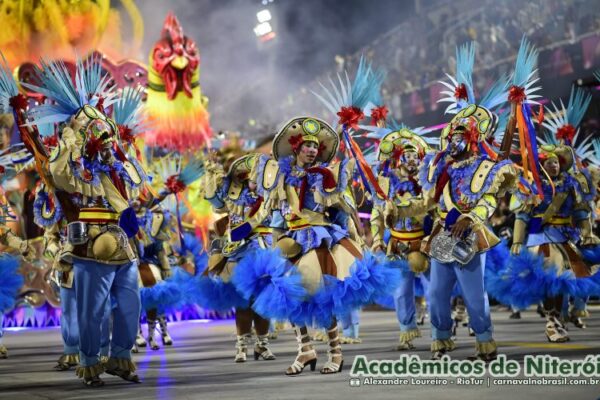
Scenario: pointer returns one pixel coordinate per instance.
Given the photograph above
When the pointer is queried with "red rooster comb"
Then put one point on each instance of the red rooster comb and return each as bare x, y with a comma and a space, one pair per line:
172, 29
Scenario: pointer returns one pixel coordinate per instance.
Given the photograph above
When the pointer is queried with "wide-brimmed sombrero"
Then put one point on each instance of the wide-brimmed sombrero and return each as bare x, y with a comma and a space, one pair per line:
240, 169
306, 129
485, 122
564, 154
402, 138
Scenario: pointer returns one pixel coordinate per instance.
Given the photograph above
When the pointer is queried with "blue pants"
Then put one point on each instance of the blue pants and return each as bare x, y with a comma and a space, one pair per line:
95, 283
470, 280
68, 323
1, 329
350, 323
404, 300
68, 320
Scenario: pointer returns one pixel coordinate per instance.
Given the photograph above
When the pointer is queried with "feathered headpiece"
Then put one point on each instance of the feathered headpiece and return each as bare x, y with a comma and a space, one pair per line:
68, 97
562, 124
460, 93
475, 119
8, 86
350, 102
127, 114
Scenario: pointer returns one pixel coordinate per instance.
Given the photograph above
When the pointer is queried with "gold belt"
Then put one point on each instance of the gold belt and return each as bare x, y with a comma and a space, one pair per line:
98, 215
262, 230
408, 235
556, 220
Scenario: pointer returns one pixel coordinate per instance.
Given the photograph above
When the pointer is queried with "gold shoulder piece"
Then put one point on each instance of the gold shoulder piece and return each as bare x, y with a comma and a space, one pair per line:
157, 221
235, 189
133, 173
270, 174
431, 171
384, 184
336, 171
583, 182
481, 174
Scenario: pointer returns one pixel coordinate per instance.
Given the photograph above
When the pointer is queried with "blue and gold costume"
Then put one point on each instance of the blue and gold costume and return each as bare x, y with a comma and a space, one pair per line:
306, 201
468, 188
407, 233
231, 257
93, 181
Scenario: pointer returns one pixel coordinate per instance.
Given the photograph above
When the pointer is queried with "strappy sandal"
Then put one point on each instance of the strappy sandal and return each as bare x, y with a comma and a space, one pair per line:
335, 350
298, 366
553, 332
152, 343
261, 349
577, 321
241, 348
164, 333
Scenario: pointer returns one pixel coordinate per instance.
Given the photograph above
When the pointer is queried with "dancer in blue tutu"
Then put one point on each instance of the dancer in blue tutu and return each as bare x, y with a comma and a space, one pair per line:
154, 270
556, 224
305, 192
234, 194
10, 278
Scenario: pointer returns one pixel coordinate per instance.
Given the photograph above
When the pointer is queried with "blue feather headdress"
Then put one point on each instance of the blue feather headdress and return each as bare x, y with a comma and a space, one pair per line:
562, 124
8, 86
363, 93
595, 159
459, 90
69, 97
349, 103
127, 109
525, 73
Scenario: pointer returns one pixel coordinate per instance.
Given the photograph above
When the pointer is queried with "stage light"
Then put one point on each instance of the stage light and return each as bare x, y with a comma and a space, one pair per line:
262, 29
263, 16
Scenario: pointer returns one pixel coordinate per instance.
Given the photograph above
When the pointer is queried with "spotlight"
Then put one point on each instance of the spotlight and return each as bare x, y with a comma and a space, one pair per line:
263, 29
263, 16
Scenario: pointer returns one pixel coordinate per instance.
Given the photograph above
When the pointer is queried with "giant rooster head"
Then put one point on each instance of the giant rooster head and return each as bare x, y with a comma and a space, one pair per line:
175, 59
175, 105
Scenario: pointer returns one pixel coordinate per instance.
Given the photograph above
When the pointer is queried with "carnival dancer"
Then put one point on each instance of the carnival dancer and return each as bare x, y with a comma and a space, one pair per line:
304, 190
556, 224
10, 278
93, 181
234, 194
154, 268
401, 151
462, 183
